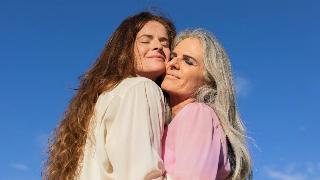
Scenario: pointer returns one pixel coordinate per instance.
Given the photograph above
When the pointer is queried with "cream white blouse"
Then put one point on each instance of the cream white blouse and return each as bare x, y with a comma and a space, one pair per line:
124, 140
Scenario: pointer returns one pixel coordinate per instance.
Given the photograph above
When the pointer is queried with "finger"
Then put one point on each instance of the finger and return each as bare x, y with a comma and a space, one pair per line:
153, 175
161, 167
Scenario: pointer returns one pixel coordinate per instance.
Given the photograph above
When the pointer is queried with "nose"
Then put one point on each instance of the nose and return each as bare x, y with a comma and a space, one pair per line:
157, 45
174, 64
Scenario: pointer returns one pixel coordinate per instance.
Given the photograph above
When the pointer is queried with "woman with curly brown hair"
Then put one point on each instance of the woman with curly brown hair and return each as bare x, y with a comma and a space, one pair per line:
113, 126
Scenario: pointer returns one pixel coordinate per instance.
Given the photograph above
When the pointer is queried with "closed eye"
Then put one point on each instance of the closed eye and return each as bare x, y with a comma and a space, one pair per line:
189, 60
145, 39
165, 43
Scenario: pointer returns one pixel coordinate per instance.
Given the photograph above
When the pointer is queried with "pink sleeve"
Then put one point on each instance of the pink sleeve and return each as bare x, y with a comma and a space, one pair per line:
197, 148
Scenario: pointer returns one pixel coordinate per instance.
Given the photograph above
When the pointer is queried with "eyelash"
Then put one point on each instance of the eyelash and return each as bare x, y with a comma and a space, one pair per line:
188, 61
165, 44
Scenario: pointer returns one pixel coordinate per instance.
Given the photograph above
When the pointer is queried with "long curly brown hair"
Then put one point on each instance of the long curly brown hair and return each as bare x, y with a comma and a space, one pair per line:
116, 62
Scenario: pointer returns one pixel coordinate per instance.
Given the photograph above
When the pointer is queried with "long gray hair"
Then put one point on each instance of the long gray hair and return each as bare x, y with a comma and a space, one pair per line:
219, 94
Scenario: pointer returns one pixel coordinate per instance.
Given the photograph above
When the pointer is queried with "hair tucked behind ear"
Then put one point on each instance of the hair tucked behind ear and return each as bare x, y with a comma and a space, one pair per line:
219, 94
115, 63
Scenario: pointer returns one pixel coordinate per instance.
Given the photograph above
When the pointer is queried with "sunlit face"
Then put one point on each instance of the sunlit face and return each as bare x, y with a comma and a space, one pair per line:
185, 69
151, 50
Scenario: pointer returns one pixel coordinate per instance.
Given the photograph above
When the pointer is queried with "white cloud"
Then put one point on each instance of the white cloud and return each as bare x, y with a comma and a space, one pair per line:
242, 85
279, 175
307, 171
19, 166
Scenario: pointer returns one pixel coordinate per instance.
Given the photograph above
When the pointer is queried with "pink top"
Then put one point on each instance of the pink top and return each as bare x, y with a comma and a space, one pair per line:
194, 145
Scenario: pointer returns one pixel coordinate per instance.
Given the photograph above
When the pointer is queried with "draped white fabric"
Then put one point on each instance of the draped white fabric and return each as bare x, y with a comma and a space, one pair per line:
124, 141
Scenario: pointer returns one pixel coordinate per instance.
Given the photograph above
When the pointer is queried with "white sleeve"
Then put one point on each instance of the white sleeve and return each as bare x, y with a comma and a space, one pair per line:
134, 142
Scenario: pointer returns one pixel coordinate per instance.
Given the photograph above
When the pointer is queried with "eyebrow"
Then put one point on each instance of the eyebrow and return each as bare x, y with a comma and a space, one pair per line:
145, 35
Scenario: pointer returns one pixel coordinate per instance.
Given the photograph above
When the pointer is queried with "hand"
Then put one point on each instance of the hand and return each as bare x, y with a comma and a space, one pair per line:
156, 174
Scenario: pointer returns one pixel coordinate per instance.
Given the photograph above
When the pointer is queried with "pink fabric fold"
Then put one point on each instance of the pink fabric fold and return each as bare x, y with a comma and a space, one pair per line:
194, 145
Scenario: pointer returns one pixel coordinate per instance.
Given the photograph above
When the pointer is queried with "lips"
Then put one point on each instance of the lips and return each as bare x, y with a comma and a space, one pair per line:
172, 75
156, 57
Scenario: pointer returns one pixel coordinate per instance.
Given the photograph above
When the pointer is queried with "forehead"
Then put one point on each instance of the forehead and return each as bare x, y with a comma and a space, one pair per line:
153, 28
191, 47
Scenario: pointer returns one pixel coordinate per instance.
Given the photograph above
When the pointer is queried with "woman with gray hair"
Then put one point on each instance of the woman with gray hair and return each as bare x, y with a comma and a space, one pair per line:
206, 139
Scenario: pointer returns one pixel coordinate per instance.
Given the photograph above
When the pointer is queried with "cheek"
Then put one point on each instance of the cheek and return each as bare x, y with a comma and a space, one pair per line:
193, 82
167, 53
139, 52
136, 52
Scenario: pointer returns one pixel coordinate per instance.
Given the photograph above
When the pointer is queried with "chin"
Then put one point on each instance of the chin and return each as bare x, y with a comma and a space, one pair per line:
166, 85
156, 66
156, 71
154, 74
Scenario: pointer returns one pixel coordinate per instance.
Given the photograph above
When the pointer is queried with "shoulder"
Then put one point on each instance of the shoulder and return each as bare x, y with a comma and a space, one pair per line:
197, 108
140, 85
137, 83
199, 113
134, 81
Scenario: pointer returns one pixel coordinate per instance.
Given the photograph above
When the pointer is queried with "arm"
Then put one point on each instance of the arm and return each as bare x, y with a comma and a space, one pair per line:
135, 136
197, 147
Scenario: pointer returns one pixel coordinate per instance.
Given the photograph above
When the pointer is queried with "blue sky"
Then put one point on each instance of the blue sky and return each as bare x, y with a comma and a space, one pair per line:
273, 45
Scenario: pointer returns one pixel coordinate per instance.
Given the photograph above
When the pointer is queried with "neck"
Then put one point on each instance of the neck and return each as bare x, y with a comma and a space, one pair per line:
177, 104
146, 75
